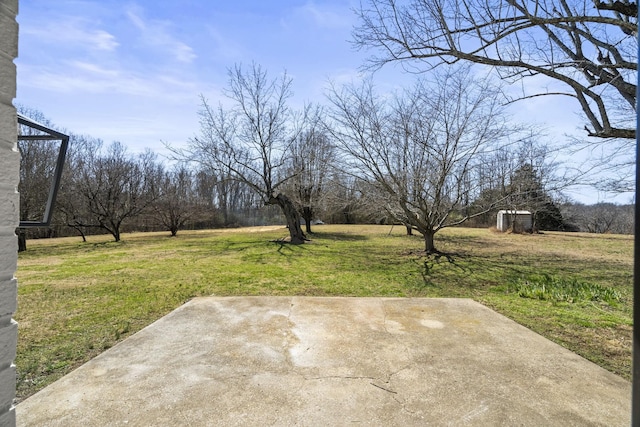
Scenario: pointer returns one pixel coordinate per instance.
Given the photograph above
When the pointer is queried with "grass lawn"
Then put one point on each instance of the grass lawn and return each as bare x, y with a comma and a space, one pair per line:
77, 299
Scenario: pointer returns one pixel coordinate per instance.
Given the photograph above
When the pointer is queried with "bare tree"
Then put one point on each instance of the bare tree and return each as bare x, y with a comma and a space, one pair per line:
588, 46
72, 204
115, 187
601, 217
344, 201
250, 140
311, 167
421, 151
176, 201
218, 192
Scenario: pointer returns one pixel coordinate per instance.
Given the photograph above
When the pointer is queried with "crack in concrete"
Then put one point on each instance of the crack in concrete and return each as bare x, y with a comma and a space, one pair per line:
343, 377
290, 341
382, 383
290, 337
402, 403
396, 396
403, 406
404, 368
383, 388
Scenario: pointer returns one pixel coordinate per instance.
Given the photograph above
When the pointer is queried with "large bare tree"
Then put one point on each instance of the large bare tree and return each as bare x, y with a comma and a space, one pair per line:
312, 166
589, 47
114, 187
249, 138
420, 150
72, 201
176, 201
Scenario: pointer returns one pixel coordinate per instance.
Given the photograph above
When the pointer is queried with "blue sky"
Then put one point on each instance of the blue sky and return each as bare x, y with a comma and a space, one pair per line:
134, 71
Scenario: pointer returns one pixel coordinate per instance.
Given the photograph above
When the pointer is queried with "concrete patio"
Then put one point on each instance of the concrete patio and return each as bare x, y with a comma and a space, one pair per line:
333, 361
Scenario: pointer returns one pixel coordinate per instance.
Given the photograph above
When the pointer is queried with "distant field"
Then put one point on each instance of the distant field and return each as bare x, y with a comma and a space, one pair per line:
77, 299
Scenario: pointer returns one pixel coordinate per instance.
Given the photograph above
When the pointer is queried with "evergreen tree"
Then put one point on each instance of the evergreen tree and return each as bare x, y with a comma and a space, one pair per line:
526, 192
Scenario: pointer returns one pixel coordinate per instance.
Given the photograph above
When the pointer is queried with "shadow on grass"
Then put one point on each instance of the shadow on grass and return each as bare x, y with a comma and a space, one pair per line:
286, 248
427, 263
599, 236
345, 237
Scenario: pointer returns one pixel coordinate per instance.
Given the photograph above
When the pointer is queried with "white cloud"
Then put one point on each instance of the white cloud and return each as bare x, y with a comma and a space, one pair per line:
137, 109
136, 20
102, 40
77, 78
224, 47
93, 69
324, 16
346, 76
70, 31
156, 34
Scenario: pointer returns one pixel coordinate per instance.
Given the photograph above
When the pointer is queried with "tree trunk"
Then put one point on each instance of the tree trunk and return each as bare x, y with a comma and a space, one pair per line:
409, 230
307, 214
22, 240
292, 216
79, 229
113, 227
347, 215
514, 222
225, 216
429, 247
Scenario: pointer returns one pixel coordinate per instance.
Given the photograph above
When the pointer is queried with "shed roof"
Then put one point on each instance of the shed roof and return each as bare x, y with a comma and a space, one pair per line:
512, 212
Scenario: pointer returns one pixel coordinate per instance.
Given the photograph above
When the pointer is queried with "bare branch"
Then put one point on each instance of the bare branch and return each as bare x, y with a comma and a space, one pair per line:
562, 40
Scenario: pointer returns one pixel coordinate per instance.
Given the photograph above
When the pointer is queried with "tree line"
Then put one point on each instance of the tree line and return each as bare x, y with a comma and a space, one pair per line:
107, 189
438, 154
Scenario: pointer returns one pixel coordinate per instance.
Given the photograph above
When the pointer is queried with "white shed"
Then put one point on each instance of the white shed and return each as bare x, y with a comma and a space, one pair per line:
522, 219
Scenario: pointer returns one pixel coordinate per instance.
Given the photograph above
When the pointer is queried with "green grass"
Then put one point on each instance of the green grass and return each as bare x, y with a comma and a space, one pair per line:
78, 299
571, 290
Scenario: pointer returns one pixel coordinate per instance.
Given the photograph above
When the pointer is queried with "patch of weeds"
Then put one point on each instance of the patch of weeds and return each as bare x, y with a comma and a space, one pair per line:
558, 289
